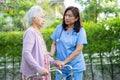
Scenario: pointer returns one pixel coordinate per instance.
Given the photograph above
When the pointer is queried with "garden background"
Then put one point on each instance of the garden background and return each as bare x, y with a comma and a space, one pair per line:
101, 20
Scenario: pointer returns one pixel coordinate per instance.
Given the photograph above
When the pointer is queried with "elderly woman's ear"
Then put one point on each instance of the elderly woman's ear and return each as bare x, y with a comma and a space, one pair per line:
34, 18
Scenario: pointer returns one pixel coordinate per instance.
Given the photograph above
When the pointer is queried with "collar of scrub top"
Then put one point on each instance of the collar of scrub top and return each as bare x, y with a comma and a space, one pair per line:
61, 34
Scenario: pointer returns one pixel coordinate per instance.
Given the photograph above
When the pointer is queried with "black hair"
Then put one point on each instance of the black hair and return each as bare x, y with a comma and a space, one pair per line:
78, 23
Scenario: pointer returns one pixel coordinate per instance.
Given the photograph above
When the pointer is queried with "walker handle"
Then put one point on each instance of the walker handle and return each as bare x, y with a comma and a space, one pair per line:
51, 70
32, 75
71, 71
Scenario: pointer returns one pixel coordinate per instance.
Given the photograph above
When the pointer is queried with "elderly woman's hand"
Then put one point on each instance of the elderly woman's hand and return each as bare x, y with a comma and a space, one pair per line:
50, 54
59, 64
44, 72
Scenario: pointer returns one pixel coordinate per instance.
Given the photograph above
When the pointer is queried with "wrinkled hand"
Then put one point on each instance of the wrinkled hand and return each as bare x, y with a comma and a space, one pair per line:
50, 54
59, 64
44, 72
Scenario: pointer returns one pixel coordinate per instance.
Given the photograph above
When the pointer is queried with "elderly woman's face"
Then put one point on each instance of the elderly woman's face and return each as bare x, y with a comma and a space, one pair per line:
39, 20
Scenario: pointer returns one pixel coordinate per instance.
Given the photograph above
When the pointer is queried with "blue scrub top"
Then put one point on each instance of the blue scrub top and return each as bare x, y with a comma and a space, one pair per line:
66, 43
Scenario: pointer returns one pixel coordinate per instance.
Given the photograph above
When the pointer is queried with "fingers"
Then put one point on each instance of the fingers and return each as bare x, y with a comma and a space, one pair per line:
44, 72
50, 54
59, 64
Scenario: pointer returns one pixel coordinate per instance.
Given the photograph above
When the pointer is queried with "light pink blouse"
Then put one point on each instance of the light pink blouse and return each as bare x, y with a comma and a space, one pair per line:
34, 54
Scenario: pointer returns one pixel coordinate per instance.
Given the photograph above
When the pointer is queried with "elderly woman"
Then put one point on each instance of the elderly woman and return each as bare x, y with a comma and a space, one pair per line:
34, 54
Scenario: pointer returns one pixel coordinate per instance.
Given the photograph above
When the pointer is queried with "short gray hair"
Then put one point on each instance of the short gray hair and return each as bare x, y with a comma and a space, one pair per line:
33, 12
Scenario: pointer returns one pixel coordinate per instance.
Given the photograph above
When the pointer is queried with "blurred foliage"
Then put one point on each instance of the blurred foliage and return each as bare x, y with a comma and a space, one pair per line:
103, 37
11, 44
13, 13
103, 44
94, 8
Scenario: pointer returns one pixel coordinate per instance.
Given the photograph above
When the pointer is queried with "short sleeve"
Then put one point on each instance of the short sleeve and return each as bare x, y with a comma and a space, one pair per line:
82, 39
55, 34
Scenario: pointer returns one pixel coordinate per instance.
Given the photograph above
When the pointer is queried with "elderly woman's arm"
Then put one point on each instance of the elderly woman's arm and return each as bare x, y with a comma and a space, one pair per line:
28, 43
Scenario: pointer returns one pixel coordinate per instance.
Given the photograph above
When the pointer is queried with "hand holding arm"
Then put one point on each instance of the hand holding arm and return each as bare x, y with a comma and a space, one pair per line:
59, 64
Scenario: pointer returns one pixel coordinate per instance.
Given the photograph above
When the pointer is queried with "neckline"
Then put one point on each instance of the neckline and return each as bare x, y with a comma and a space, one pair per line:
68, 32
37, 31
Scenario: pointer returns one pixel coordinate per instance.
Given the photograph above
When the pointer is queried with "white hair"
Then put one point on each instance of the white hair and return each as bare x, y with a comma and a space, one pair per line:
33, 12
